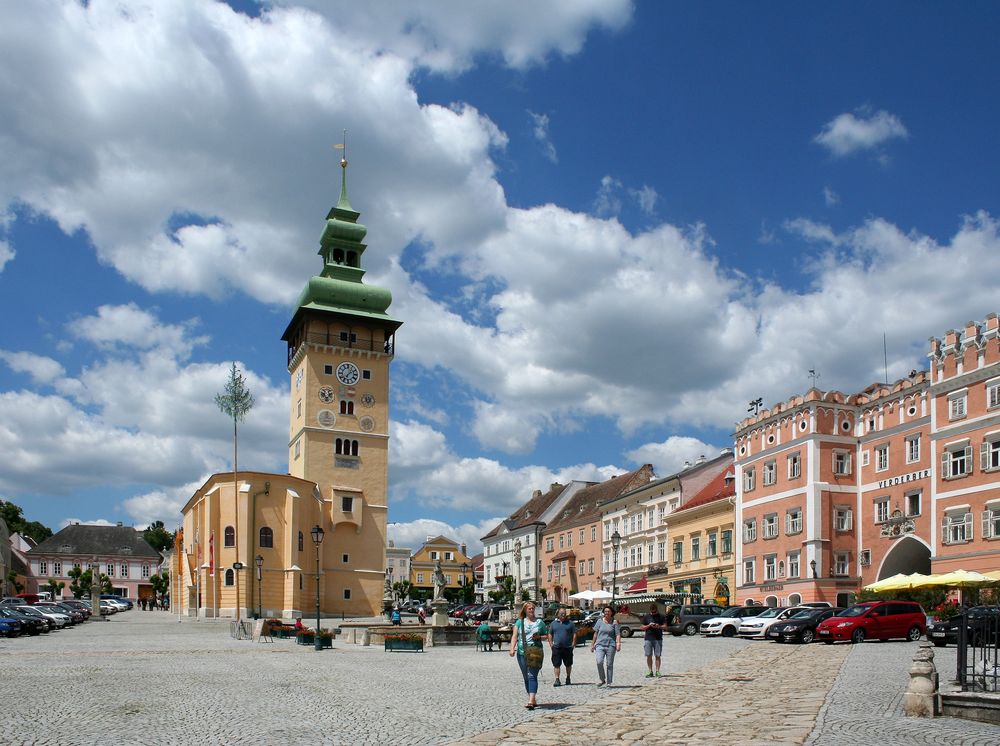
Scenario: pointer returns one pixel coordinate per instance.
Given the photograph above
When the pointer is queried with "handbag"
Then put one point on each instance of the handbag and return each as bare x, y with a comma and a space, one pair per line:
534, 657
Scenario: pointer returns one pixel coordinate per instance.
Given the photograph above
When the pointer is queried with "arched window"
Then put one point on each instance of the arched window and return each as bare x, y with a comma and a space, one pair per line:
266, 537
346, 447
229, 539
352, 259
771, 601
354, 448
338, 256
301, 541
230, 577
346, 407
794, 600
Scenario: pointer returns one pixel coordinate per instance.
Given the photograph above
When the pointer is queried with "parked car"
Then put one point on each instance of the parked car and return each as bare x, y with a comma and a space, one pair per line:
981, 627
77, 604
800, 627
109, 607
490, 612
728, 621
29, 625
688, 617
75, 615
756, 627
60, 620
880, 620
9, 627
817, 604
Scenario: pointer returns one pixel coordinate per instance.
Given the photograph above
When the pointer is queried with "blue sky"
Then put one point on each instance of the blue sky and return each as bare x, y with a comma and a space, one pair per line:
606, 228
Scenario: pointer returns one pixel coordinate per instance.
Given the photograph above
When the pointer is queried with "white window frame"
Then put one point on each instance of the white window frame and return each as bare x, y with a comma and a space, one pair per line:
750, 531
795, 465
794, 564
769, 474
749, 571
956, 462
843, 518
841, 564
770, 567
991, 521
989, 453
769, 526
957, 406
749, 479
695, 548
793, 521
661, 551
992, 394
842, 463
882, 457
920, 502
712, 544
880, 509
956, 527
913, 449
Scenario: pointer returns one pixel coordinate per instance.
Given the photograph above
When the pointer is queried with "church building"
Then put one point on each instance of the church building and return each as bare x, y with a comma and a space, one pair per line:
279, 544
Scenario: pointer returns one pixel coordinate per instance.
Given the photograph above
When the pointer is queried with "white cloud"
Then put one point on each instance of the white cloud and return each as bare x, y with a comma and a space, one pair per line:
130, 326
540, 130
847, 134
830, 197
670, 456
646, 198
608, 202
812, 231
413, 534
41, 369
6, 254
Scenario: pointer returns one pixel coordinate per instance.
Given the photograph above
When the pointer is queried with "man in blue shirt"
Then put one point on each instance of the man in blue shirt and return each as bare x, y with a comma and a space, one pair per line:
562, 640
653, 624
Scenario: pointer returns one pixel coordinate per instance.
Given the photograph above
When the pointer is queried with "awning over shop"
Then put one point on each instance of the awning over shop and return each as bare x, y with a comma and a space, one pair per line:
638, 586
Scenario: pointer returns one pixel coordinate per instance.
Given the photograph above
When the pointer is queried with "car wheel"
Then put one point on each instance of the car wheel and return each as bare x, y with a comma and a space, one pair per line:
808, 636
914, 634
728, 632
690, 629
626, 631
858, 636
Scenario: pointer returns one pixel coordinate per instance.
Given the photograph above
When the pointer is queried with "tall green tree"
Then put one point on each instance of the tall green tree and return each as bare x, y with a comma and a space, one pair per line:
236, 401
13, 516
53, 587
82, 581
158, 537
401, 589
161, 584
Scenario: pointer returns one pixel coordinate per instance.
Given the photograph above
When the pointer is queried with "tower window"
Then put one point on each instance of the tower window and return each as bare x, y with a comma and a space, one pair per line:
348, 337
346, 407
366, 375
301, 541
230, 577
347, 504
229, 537
328, 370
346, 447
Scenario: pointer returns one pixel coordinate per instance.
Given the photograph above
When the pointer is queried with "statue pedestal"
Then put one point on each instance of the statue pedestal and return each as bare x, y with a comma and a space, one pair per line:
439, 617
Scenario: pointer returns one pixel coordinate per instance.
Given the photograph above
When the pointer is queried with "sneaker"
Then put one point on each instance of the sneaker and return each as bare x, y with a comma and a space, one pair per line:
600, 684
568, 682
649, 675
556, 683
657, 675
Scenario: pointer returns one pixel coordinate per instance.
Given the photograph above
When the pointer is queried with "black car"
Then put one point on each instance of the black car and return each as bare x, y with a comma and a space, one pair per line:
29, 625
800, 627
982, 627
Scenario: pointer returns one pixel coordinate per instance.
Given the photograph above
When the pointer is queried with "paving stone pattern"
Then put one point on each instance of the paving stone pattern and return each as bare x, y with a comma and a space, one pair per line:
145, 678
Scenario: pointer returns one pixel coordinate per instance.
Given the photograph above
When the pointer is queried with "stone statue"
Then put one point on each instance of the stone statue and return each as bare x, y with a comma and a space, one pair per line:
439, 582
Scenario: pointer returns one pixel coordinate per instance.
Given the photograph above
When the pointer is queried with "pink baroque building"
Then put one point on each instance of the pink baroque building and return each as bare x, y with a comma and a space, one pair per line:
836, 491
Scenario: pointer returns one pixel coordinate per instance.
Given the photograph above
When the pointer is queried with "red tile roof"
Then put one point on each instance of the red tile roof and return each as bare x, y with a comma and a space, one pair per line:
720, 487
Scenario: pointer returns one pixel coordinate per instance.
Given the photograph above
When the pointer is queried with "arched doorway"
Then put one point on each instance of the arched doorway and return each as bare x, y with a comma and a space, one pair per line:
907, 555
794, 600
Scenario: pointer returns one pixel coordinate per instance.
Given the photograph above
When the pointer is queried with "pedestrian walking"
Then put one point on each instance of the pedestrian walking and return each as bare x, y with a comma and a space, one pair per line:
396, 617
526, 644
421, 615
652, 644
562, 640
607, 641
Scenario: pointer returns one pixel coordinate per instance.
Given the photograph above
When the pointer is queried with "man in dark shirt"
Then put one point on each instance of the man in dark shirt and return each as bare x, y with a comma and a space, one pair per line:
562, 640
653, 624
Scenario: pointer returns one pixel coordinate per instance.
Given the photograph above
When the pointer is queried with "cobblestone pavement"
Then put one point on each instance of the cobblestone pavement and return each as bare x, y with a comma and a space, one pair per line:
863, 708
145, 678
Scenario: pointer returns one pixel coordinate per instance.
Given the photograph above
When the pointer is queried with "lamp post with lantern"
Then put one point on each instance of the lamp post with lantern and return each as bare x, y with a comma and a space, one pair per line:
465, 594
517, 570
259, 561
616, 541
317, 537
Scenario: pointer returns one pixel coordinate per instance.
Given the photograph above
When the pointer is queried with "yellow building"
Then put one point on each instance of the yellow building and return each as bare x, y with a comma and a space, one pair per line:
455, 564
702, 559
340, 342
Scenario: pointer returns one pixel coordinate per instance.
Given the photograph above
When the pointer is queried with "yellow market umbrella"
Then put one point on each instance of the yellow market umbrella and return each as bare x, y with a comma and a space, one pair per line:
897, 582
958, 579
994, 575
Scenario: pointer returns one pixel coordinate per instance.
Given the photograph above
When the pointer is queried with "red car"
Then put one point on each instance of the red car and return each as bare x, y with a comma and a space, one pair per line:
878, 620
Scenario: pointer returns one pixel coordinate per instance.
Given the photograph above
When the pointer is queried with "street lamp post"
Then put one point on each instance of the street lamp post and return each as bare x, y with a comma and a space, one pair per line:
317, 537
616, 541
259, 560
465, 595
517, 569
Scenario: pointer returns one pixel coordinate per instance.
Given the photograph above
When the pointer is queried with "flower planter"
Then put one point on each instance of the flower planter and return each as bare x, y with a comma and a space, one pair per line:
310, 640
416, 646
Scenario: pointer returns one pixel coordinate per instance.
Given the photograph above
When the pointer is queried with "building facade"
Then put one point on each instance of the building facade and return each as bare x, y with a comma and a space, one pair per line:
340, 342
837, 491
120, 552
455, 564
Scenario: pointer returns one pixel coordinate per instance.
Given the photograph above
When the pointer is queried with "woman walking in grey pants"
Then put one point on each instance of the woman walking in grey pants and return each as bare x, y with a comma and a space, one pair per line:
607, 641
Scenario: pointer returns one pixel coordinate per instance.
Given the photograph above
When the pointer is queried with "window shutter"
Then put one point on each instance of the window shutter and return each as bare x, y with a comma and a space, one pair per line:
984, 456
944, 530
968, 459
987, 524
945, 462
967, 520
788, 523
850, 516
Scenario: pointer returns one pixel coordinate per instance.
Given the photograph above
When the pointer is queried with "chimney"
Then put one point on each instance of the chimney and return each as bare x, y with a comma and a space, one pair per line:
554, 486
536, 493
119, 526
465, 549
701, 459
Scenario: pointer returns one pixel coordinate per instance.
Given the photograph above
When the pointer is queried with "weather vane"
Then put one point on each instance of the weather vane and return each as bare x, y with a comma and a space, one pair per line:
813, 375
755, 405
343, 146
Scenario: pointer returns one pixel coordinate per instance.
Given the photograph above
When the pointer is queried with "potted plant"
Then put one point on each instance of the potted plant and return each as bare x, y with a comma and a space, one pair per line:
325, 638
404, 641
305, 637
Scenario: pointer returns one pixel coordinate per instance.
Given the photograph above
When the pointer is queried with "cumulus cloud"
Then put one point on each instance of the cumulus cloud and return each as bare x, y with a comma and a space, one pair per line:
850, 133
41, 369
540, 130
7, 253
413, 534
671, 455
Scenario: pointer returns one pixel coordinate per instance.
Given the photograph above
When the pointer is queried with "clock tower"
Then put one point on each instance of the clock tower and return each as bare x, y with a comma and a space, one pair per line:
340, 343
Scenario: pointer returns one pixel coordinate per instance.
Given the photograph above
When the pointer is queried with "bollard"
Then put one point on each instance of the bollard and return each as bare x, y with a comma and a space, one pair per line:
921, 698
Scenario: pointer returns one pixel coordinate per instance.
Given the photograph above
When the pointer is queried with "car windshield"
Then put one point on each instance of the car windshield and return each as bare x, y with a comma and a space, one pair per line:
806, 613
855, 611
735, 611
770, 613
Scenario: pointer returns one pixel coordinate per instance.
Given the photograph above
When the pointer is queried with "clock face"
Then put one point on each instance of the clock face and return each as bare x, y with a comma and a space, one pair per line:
348, 374
368, 400
326, 394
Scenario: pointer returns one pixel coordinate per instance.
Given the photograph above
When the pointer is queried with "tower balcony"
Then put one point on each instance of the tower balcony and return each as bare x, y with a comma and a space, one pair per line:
352, 342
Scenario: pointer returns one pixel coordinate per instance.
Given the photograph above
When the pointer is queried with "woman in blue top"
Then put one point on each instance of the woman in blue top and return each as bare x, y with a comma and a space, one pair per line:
534, 631
607, 641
